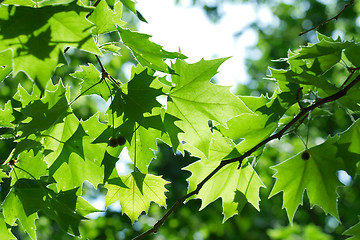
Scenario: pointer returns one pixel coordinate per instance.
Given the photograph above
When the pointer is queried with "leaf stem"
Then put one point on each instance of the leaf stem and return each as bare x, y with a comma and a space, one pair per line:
303, 112
83, 93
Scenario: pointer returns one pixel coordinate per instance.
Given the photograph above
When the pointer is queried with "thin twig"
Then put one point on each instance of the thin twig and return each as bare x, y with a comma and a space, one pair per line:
351, 70
330, 19
303, 112
81, 94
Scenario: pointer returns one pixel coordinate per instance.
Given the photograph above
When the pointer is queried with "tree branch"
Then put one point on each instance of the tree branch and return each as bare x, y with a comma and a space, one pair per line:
330, 19
278, 135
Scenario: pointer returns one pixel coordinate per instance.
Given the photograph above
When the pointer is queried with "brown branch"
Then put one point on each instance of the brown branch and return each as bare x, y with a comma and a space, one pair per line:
330, 19
303, 112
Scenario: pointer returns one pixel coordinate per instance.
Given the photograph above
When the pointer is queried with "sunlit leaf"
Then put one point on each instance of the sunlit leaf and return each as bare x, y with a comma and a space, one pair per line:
136, 191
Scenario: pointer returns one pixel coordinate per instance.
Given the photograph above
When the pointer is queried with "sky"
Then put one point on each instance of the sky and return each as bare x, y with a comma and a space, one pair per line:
187, 28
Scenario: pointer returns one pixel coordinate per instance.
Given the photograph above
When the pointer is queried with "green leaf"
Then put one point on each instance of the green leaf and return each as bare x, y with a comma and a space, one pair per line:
13, 210
139, 99
37, 37
143, 146
172, 131
317, 173
111, 48
109, 163
5, 233
129, 4
354, 232
26, 98
73, 145
26, 3
3, 175
136, 191
352, 53
31, 196
105, 19
29, 166
74, 158
234, 186
326, 52
195, 101
146, 52
6, 116
250, 128
83, 207
45, 113
5, 64
137, 117
305, 77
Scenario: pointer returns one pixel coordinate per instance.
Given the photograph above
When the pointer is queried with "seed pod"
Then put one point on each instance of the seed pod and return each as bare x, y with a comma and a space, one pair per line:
120, 140
12, 162
305, 155
112, 142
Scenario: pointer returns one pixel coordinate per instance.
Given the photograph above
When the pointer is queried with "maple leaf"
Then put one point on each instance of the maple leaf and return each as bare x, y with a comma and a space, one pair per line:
12, 210
354, 232
73, 145
30, 166
195, 101
146, 52
317, 173
136, 191
38, 36
140, 97
45, 112
109, 163
351, 54
6, 116
3, 175
4, 231
142, 147
76, 159
91, 77
234, 186
6, 63
129, 4
250, 128
327, 52
42, 116
30, 196
105, 19
137, 117
26, 98
138, 100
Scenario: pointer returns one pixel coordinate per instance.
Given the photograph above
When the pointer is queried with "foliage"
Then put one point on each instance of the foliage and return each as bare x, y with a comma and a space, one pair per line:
52, 151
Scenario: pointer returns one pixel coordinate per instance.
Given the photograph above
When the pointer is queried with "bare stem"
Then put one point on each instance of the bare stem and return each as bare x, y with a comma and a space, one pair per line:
330, 19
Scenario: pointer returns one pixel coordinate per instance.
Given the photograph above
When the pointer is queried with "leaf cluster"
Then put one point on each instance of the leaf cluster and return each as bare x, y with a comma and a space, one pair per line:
165, 100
